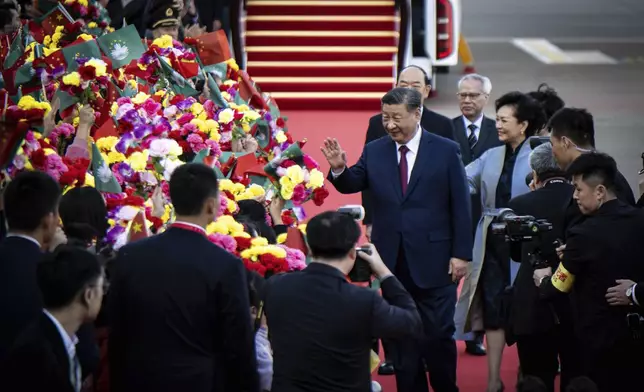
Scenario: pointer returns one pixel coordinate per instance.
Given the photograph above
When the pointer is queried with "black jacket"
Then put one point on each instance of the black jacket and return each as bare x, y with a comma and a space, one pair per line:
321, 328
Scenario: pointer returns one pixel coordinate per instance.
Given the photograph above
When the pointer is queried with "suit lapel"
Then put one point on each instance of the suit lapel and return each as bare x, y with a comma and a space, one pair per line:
459, 127
57, 345
488, 131
420, 165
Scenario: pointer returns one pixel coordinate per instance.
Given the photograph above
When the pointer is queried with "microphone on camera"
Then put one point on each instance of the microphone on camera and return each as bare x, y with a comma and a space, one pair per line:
354, 211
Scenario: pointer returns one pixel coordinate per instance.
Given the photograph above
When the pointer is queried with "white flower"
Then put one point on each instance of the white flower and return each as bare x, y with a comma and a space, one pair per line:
169, 165
119, 51
127, 213
148, 178
120, 112
162, 148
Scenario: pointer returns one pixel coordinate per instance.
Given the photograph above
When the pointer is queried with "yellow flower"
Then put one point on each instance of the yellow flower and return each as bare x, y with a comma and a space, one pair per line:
256, 190
114, 108
251, 115
281, 238
280, 137
89, 180
92, 25
115, 157
166, 214
55, 39
286, 192
231, 206
138, 160
226, 116
259, 241
99, 65
48, 51
241, 234
199, 124
232, 64
226, 185
59, 29
316, 179
295, 174
76, 121
163, 42
72, 79
140, 98
107, 143
302, 228
28, 102
226, 96
86, 37
225, 224
245, 127
83, 3
198, 111
48, 151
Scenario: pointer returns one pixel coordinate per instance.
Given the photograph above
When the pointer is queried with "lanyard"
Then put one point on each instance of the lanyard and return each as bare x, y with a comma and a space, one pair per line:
185, 226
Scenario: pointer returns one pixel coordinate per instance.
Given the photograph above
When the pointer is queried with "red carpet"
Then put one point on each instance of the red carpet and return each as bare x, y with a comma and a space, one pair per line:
350, 129
322, 55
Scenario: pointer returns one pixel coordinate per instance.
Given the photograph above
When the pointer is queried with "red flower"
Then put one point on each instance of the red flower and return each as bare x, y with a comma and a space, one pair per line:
287, 218
256, 267
288, 163
319, 195
280, 122
243, 243
87, 72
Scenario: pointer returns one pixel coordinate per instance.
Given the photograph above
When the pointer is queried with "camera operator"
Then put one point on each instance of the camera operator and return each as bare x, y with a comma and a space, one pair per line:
543, 330
321, 326
605, 247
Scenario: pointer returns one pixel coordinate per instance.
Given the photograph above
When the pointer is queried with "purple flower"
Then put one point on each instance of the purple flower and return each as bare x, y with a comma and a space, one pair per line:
132, 116
113, 234
124, 143
267, 117
140, 131
185, 104
124, 170
81, 60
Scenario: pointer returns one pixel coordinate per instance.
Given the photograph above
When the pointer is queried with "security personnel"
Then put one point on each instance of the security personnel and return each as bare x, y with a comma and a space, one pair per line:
164, 18
605, 247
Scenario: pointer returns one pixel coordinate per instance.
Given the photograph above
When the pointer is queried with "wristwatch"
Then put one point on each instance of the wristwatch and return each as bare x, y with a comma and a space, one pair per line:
630, 293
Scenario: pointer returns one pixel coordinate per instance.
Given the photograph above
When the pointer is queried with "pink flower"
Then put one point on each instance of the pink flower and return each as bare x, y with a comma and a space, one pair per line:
185, 119
223, 205
299, 194
226, 242
123, 100
54, 166
309, 162
215, 150
196, 142
188, 129
151, 107
295, 259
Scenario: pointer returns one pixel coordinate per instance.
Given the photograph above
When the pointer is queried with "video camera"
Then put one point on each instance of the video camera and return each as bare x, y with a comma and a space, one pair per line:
525, 229
361, 271
536, 141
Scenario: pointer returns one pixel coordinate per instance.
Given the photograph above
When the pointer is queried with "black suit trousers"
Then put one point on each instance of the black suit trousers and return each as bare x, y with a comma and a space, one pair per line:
437, 349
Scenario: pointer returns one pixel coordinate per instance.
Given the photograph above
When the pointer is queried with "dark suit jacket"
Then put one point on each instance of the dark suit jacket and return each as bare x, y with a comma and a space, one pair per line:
38, 361
431, 121
20, 302
180, 317
530, 314
605, 247
488, 138
573, 215
322, 326
431, 221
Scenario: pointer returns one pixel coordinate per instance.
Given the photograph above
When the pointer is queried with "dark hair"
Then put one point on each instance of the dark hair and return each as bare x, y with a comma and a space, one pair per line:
84, 214
597, 167
582, 384
575, 124
256, 286
29, 198
63, 274
531, 384
8, 14
548, 99
190, 186
426, 78
402, 95
525, 109
331, 235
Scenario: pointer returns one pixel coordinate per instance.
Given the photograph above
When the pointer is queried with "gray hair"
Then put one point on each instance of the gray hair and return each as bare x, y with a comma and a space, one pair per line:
543, 162
484, 80
402, 95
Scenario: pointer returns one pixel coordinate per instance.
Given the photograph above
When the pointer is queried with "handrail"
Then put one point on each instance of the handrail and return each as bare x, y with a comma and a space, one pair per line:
404, 10
237, 8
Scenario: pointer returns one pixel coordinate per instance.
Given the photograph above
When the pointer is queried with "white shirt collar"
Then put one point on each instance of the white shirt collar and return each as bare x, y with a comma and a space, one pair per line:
26, 237
69, 341
414, 143
477, 122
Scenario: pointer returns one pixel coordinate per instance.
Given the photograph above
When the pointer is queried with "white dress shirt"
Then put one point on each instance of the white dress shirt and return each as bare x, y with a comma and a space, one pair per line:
477, 122
70, 346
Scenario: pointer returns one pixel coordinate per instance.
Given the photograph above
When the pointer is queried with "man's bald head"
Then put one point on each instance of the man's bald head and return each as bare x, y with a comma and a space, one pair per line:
415, 77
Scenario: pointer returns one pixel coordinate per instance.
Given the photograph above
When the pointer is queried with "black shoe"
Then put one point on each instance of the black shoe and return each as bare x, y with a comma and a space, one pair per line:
475, 348
386, 369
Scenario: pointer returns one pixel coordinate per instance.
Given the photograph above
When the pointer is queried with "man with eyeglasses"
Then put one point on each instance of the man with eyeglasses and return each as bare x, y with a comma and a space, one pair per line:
572, 133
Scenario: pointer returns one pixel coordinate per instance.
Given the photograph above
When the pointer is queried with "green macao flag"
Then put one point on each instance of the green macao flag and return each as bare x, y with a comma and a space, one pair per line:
122, 46
104, 180
215, 94
87, 49
178, 83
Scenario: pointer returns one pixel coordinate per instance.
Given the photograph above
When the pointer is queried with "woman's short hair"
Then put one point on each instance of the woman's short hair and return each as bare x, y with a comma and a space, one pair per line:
525, 109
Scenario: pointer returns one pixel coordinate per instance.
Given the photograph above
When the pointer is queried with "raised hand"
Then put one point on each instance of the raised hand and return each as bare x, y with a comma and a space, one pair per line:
49, 122
334, 154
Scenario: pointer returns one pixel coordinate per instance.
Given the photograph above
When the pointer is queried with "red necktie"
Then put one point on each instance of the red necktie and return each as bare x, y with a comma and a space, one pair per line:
402, 166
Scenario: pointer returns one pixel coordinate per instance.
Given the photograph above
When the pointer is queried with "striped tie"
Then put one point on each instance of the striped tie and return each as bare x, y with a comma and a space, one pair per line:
472, 139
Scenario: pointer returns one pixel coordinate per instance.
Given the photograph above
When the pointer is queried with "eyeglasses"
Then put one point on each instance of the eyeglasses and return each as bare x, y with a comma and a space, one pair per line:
472, 96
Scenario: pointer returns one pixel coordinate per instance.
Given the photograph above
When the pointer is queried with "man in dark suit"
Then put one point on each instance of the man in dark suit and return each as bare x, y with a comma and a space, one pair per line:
421, 227
44, 357
321, 325
475, 134
604, 247
572, 133
543, 330
31, 209
416, 78
178, 304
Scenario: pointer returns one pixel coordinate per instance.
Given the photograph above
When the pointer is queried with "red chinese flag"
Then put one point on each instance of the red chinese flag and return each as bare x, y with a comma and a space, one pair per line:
244, 164
11, 135
212, 48
249, 93
107, 129
53, 20
138, 228
295, 240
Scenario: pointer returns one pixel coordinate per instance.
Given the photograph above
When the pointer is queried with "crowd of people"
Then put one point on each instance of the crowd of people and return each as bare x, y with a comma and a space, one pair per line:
150, 234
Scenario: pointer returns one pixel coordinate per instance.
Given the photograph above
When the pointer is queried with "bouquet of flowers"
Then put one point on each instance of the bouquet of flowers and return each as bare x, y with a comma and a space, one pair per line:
87, 81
